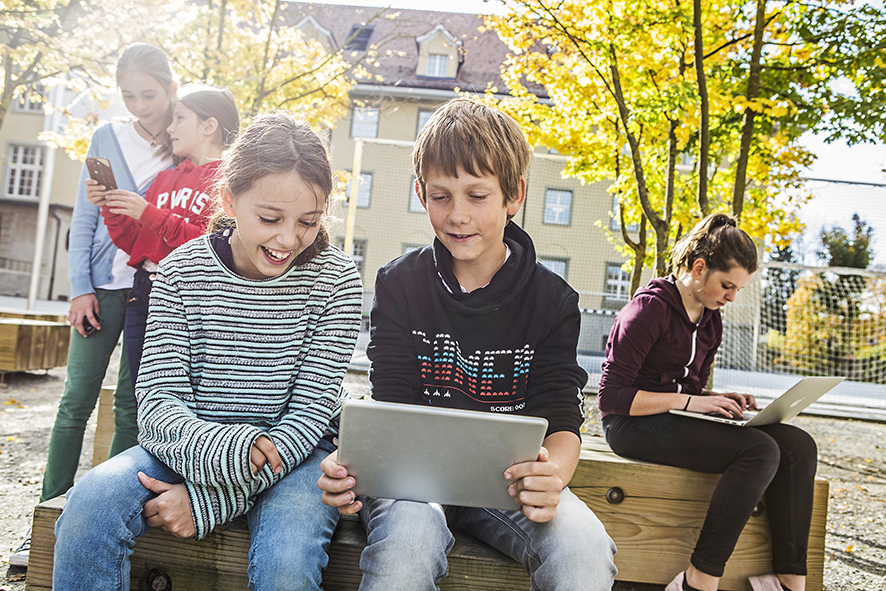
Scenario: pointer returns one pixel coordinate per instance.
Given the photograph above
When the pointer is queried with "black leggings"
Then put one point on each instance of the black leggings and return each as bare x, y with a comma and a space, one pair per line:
776, 460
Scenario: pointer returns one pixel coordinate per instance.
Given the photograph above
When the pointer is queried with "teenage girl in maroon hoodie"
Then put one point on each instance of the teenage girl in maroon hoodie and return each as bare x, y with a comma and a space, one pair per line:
658, 358
177, 205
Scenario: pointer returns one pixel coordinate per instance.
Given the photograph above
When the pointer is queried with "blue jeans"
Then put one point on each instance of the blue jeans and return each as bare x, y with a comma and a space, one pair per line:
777, 462
409, 541
95, 536
137, 320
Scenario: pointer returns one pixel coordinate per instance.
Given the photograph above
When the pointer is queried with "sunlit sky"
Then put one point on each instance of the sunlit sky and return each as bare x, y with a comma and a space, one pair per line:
833, 204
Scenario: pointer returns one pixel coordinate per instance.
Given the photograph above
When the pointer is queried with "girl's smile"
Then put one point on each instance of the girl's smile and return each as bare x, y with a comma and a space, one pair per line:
277, 218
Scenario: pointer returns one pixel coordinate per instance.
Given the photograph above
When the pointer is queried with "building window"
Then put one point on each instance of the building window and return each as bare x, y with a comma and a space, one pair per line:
364, 189
615, 222
415, 205
358, 37
437, 65
29, 101
364, 123
558, 207
358, 251
423, 117
558, 266
24, 171
618, 283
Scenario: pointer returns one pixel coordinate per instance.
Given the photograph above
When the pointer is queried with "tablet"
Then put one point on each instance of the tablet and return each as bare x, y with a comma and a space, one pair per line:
433, 454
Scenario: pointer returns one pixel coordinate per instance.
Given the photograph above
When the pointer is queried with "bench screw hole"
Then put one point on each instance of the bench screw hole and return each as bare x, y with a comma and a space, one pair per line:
156, 580
615, 495
759, 509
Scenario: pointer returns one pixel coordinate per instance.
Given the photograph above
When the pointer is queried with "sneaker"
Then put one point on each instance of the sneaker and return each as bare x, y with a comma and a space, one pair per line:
20, 556
677, 583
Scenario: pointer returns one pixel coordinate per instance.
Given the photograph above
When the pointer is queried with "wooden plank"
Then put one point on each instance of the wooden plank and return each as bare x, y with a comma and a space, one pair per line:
39, 338
219, 561
31, 315
27, 344
23, 346
104, 427
8, 345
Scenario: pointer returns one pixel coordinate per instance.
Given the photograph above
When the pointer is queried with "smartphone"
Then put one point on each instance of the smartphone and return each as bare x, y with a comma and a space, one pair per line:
88, 328
100, 170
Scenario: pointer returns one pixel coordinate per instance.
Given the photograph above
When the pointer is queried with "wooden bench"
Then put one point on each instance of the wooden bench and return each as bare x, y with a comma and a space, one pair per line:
653, 513
28, 342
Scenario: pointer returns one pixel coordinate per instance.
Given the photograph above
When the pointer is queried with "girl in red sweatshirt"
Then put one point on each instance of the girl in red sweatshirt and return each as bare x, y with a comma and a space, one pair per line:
177, 205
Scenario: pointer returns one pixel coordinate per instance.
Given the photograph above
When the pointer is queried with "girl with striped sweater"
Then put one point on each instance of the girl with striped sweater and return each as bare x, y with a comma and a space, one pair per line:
249, 334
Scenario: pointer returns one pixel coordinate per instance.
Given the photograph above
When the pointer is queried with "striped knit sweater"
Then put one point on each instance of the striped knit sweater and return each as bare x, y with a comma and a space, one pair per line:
227, 359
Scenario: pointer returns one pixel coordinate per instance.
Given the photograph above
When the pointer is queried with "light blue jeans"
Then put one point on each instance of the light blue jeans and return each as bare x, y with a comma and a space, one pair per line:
409, 541
290, 528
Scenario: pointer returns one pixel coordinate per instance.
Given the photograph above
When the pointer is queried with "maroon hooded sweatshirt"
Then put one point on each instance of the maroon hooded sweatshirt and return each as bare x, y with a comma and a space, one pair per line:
653, 346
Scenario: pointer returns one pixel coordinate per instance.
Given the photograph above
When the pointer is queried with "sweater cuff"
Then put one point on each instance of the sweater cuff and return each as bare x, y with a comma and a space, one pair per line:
153, 216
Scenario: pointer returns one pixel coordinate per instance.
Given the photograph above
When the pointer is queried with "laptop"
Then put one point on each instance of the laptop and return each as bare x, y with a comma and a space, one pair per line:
435, 455
782, 409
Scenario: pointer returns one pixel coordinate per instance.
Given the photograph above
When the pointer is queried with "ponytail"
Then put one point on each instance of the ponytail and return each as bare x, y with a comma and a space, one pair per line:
719, 243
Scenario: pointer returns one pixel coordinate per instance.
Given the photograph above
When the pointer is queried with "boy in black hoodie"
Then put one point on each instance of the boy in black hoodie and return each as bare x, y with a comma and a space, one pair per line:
475, 322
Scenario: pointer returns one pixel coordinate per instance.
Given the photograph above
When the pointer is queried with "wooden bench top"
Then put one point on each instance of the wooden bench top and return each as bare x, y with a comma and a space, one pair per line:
653, 513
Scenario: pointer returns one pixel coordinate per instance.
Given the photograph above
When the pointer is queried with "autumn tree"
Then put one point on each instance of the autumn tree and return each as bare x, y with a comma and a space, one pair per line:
643, 93
835, 319
44, 42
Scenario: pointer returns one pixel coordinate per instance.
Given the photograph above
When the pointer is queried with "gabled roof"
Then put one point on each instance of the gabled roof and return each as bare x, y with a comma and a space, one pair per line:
395, 36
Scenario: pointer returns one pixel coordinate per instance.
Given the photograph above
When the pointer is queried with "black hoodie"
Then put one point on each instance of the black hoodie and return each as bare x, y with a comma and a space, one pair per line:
509, 347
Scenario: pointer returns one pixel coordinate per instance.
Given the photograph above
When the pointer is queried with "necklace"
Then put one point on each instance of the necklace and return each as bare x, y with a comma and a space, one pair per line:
153, 135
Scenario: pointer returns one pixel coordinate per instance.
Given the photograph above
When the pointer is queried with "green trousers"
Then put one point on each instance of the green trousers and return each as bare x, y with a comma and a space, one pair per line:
87, 363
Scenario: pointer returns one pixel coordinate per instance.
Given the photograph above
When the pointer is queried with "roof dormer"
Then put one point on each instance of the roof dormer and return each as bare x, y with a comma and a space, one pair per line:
439, 53
311, 29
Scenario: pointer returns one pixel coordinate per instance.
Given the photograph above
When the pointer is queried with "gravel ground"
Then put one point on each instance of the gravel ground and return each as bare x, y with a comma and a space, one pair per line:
851, 457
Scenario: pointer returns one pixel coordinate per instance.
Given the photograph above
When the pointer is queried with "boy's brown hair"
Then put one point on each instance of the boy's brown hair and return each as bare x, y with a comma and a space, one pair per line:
481, 140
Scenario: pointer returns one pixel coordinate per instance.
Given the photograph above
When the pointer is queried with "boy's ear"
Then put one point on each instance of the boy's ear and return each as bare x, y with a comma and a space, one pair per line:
421, 197
227, 201
516, 203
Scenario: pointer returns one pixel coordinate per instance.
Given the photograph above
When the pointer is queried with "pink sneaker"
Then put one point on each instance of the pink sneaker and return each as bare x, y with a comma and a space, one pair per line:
677, 583
765, 583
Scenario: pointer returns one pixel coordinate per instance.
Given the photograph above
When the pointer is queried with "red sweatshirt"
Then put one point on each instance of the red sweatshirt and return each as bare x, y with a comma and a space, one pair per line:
179, 207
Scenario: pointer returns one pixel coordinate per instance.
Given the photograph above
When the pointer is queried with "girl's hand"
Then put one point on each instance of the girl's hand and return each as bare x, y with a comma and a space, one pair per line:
537, 487
336, 485
721, 404
95, 193
125, 203
264, 451
84, 307
744, 401
170, 510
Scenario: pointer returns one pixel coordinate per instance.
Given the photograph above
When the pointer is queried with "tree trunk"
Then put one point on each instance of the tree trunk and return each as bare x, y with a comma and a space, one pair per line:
658, 224
747, 126
704, 143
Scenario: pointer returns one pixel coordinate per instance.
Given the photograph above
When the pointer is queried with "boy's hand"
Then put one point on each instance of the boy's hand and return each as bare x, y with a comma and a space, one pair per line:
537, 487
125, 203
264, 451
336, 485
170, 510
95, 193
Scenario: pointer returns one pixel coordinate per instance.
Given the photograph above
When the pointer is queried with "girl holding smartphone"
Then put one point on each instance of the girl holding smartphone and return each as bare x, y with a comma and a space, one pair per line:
100, 278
